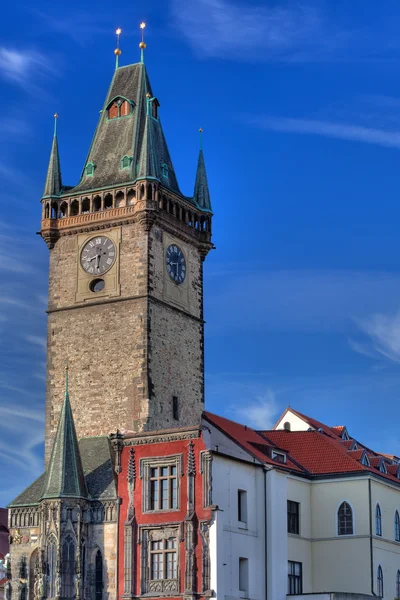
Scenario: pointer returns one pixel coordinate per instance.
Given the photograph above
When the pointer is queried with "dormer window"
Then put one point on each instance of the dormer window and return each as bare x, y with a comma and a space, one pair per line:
154, 104
345, 435
382, 467
119, 107
126, 162
365, 460
89, 169
164, 171
278, 456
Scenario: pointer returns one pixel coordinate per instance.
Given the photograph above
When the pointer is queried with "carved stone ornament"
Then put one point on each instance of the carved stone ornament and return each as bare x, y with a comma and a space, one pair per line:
16, 538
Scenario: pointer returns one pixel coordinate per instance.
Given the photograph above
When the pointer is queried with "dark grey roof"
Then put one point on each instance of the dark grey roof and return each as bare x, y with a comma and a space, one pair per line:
98, 468
53, 183
31, 495
64, 475
201, 191
138, 135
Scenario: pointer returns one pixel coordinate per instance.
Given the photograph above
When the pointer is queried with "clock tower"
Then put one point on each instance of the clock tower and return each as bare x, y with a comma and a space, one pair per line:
126, 274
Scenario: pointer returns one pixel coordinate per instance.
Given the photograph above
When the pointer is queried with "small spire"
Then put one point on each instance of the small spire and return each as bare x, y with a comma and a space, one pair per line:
201, 191
117, 50
66, 376
142, 44
53, 183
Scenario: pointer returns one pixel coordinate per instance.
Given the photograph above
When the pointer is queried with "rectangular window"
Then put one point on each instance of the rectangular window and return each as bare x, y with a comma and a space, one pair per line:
242, 506
163, 560
163, 488
175, 408
244, 576
293, 517
295, 578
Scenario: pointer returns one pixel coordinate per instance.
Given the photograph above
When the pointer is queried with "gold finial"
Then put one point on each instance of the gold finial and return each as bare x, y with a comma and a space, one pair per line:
117, 50
142, 44
55, 115
201, 138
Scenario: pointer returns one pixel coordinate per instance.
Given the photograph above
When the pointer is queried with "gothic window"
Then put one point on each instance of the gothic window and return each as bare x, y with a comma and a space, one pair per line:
120, 107
89, 169
51, 567
161, 482
378, 520
379, 582
397, 526
99, 576
345, 519
68, 568
398, 584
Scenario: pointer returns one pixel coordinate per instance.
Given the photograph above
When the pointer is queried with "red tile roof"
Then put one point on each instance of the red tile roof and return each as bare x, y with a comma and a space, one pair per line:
249, 440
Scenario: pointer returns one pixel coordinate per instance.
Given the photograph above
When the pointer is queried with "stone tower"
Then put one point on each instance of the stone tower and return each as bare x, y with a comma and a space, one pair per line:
126, 274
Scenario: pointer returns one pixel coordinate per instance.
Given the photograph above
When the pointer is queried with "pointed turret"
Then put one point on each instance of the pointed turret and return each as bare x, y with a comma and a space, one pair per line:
201, 191
64, 475
53, 180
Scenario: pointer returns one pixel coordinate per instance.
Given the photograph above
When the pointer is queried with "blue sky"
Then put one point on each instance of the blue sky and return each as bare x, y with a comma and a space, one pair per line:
300, 105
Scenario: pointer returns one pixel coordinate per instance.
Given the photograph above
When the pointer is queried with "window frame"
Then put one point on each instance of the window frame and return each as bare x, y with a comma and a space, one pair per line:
146, 466
242, 507
338, 519
294, 517
396, 526
378, 520
243, 576
379, 581
295, 582
148, 534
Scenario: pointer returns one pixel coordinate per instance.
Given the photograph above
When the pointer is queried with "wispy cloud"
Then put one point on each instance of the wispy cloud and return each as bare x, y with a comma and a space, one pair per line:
260, 413
382, 333
223, 28
342, 131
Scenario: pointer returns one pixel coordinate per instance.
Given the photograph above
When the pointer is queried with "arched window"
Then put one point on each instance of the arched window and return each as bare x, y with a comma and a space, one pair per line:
96, 203
378, 520
398, 584
397, 526
286, 426
345, 519
99, 576
74, 210
164, 171
68, 568
379, 581
85, 206
63, 210
51, 567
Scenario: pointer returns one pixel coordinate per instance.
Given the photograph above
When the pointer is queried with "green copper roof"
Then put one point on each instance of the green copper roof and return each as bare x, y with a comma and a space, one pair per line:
64, 475
53, 183
138, 135
201, 191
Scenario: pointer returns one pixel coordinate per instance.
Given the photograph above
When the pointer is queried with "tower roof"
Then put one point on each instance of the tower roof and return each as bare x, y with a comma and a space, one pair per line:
138, 135
53, 183
201, 191
64, 475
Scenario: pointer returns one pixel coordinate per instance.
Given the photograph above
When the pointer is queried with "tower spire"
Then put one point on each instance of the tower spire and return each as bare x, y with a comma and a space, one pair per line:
142, 44
117, 50
53, 183
201, 191
64, 475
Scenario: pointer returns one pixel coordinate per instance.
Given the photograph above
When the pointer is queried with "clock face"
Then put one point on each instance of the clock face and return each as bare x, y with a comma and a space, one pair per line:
176, 264
98, 255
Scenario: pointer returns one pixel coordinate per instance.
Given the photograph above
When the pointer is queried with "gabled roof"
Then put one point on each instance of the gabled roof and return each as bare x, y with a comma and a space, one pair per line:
139, 135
